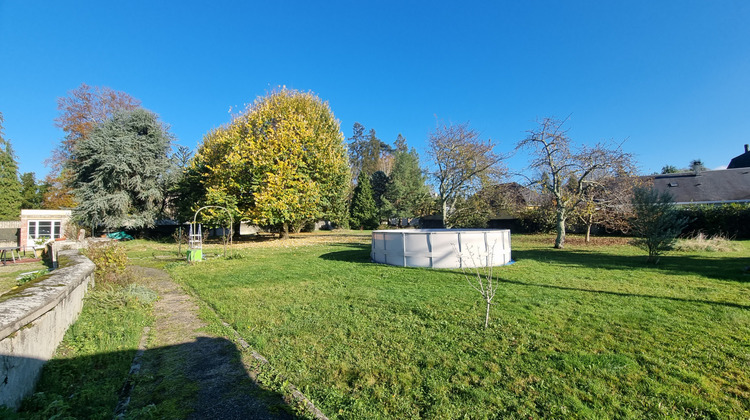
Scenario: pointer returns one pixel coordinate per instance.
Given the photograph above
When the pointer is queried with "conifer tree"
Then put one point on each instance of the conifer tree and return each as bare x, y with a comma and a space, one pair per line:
407, 191
657, 222
32, 193
10, 187
118, 171
363, 213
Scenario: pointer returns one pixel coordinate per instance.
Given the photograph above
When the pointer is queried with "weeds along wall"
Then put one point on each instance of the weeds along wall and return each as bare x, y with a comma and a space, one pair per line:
33, 321
730, 220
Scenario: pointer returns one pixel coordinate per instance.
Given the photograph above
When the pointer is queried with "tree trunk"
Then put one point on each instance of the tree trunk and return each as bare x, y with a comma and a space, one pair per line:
487, 316
445, 206
560, 240
588, 232
284, 231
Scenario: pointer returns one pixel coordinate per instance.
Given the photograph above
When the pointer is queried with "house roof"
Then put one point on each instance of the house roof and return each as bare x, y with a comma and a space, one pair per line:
708, 187
741, 161
515, 193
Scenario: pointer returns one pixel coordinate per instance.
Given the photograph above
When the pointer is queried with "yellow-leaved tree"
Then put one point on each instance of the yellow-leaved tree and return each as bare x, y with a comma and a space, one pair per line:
283, 162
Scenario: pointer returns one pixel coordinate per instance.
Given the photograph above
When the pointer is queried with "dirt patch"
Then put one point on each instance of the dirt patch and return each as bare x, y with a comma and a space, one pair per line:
189, 373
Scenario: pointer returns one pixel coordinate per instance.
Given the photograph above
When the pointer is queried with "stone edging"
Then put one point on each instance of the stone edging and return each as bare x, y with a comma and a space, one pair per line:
33, 322
18, 311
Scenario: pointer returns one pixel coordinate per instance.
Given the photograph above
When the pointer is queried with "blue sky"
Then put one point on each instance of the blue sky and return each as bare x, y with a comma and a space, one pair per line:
672, 78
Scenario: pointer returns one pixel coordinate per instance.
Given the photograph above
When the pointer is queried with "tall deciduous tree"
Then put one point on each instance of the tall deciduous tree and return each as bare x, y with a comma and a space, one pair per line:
284, 160
80, 112
10, 187
568, 173
463, 161
118, 170
607, 204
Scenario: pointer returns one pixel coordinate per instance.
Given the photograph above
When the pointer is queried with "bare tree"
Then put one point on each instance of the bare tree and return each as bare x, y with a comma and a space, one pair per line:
607, 204
568, 173
477, 270
464, 163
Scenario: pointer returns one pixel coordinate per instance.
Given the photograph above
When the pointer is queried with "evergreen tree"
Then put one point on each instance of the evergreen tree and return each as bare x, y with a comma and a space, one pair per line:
32, 193
10, 187
363, 212
118, 171
379, 183
367, 153
657, 222
407, 192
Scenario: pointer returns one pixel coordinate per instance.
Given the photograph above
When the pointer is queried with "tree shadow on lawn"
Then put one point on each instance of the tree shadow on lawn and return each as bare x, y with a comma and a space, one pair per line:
356, 253
728, 269
624, 294
204, 378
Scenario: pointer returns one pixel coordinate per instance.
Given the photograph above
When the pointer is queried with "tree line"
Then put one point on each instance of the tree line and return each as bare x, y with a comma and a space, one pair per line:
284, 163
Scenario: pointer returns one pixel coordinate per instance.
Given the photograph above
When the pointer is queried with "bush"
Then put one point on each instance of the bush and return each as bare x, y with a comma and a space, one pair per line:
657, 223
110, 260
538, 219
730, 220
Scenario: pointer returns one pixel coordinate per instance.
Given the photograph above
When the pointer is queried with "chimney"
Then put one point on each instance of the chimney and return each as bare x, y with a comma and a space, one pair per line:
746, 148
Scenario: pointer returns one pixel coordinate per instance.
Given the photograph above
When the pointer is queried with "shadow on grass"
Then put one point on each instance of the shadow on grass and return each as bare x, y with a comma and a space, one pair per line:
355, 253
729, 269
204, 378
623, 294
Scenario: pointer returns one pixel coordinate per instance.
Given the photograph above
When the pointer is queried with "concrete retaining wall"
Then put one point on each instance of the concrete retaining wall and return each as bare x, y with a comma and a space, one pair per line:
33, 323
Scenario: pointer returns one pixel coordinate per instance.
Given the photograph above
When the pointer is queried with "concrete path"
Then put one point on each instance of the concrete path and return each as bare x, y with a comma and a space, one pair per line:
183, 363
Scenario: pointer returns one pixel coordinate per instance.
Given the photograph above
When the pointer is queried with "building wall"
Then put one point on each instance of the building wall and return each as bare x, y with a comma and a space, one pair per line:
64, 216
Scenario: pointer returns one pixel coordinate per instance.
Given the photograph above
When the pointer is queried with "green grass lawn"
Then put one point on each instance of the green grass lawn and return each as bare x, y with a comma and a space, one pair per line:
582, 332
10, 272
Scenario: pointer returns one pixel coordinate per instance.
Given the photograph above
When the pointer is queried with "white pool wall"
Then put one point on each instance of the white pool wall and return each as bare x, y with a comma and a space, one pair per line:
441, 248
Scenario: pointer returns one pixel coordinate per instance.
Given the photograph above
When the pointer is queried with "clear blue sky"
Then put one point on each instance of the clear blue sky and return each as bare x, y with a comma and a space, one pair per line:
672, 77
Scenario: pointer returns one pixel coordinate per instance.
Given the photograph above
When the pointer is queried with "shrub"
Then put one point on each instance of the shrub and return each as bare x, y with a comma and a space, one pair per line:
110, 260
657, 223
731, 220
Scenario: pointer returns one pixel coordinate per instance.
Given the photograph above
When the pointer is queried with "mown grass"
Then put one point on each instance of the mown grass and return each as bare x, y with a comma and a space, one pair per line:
10, 272
582, 332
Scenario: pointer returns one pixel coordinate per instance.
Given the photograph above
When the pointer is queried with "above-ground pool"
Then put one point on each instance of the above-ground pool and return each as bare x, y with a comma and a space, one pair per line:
441, 248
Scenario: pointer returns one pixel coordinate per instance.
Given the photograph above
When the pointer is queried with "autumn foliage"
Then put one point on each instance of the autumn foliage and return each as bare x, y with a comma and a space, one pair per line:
283, 161
80, 112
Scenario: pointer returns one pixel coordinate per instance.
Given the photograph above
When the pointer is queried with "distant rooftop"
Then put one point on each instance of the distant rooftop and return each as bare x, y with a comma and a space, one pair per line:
721, 186
741, 161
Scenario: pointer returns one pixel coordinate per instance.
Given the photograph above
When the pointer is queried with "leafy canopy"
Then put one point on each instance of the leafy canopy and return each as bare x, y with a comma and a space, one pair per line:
283, 161
80, 112
119, 170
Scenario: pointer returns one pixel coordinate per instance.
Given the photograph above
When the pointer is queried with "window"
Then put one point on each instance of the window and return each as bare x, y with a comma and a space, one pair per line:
44, 229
